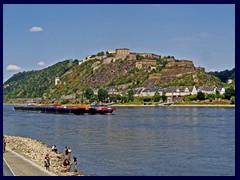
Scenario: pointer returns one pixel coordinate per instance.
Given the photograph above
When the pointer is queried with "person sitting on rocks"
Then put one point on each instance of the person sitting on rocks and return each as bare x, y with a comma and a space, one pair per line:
66, 151
54, 148
58, 156
69, 153
75, 163
66, 162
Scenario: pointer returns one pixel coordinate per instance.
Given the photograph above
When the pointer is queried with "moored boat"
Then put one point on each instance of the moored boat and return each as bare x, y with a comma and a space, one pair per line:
27, 108
68, 109
103, 109
77, 109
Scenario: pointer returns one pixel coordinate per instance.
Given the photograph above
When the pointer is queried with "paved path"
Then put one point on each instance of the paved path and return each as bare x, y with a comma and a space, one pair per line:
6, 170
17, 165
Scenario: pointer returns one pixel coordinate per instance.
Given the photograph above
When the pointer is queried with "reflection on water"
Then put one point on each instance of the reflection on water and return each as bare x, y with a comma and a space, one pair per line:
169, 141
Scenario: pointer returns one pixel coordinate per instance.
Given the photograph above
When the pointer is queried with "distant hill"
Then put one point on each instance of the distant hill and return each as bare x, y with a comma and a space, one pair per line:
224, 75
100, 71
31, 84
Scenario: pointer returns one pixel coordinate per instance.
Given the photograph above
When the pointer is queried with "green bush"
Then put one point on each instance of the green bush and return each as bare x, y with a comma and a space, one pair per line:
232, 100
147, 99
200, 96
65, 101
190, 98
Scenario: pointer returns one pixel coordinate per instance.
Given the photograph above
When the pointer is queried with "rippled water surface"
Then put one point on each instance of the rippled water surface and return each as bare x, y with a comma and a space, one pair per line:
163, 141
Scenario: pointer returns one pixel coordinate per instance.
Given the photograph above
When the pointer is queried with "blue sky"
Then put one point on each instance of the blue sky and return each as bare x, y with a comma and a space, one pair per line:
38, 36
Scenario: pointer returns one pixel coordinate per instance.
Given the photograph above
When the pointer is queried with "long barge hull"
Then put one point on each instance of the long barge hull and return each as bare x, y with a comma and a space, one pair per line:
54, 110
27, 108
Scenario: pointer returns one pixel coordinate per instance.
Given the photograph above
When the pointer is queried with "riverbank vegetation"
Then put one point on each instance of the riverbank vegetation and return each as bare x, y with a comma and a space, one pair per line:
102, 96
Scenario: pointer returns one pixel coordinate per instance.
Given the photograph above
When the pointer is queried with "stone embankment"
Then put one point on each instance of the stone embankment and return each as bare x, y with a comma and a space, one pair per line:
36, 151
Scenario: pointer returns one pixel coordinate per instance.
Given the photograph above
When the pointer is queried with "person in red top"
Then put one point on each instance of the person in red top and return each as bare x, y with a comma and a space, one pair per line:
66, 162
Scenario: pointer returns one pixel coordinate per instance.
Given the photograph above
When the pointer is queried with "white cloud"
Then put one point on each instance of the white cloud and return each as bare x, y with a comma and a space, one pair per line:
41, 63
36, 29
12, 67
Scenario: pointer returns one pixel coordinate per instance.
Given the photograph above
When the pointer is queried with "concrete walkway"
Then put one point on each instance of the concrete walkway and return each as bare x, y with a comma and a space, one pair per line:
17, 165
6, 170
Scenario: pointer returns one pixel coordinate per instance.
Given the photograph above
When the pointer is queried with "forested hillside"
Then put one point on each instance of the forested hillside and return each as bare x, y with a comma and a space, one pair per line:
34, 83
224, 75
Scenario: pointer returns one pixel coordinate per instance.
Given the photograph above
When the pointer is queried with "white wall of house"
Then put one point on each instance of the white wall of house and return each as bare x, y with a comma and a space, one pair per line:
194, 90
222, 91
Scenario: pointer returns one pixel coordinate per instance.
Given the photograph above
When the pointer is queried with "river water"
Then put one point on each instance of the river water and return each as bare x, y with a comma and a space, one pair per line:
138, 141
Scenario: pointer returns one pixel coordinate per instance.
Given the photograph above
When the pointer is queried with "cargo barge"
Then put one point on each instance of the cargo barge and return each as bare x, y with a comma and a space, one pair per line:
67, 109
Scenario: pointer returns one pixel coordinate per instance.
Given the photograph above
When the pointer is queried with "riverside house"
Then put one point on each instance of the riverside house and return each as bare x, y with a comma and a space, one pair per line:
143, 92
112, 90
207, 89
177, 93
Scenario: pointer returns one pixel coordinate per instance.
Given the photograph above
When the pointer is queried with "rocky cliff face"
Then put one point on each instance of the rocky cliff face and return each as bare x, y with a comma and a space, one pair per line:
105, 73
170, 74
172, 71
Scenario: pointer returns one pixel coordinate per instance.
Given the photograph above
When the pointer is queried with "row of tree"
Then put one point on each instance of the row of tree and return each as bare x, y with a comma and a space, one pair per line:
103, 96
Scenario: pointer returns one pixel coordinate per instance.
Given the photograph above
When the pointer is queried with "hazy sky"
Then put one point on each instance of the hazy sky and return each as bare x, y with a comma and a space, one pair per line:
38, 36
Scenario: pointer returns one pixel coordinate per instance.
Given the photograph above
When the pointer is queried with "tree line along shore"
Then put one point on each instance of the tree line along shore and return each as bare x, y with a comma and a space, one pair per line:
154, 104
36, 151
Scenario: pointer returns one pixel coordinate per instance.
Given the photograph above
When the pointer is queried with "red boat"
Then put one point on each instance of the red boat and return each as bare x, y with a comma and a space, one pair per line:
103, 109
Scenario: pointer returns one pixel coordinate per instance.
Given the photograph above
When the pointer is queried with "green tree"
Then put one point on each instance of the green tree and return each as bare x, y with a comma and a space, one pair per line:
211, 96
200, 96
113, 97
232, 100
217, 93
102, 94
123, 99
93, 98
229, 93
147, 99
164, 97
88, 93
156, 97
130, 95
100, 53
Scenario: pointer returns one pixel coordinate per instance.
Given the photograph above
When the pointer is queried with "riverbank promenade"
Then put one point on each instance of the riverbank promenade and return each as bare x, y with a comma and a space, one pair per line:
17, 165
